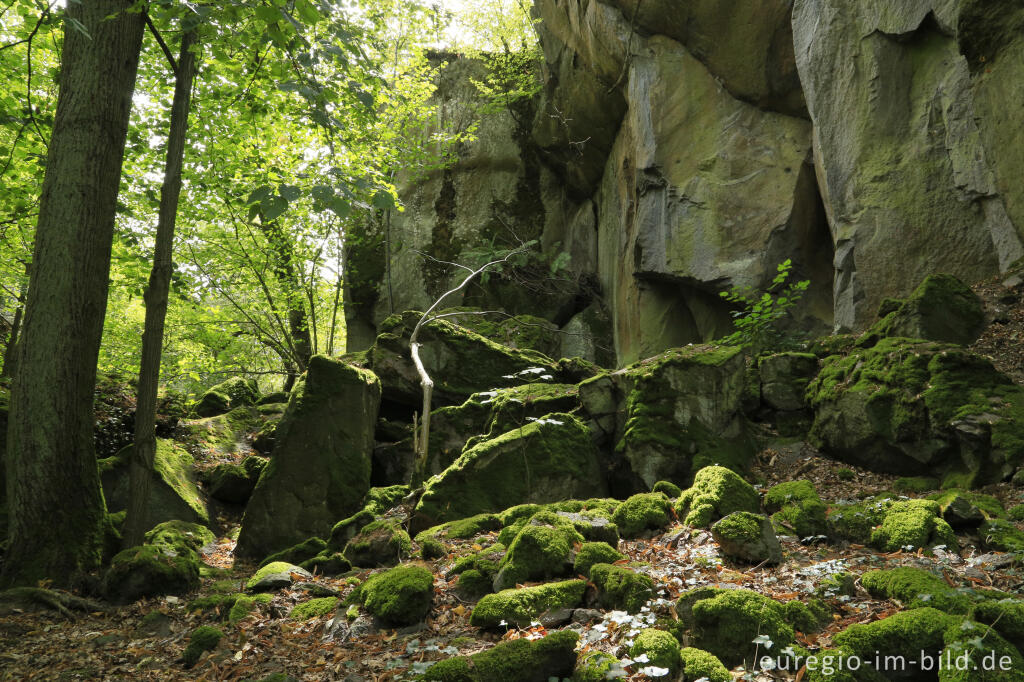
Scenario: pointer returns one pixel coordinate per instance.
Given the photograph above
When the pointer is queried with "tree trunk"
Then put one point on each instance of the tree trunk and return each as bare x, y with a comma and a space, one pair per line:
55, 503
11, 349
287, 276
156, 294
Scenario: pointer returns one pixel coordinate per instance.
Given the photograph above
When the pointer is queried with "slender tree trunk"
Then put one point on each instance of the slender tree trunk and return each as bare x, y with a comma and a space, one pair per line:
11, 349
141, 468
55, 503
287, 276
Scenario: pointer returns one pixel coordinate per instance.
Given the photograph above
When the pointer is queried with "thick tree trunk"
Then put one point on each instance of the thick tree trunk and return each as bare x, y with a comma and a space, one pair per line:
156, 294
55, 503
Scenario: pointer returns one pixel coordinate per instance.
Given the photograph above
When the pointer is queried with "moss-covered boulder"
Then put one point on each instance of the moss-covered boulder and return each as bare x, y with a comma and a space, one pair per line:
381, 543
320, 470
229, 433
641, 513
491, 413
660, 648
234, 483
726, 622
227, 395
905, 406
595, 666
204, 638
699, 664
460, 361
966, 509
519, 607
979, 654
913, 524
148, 570
796, 507
399, 596
551, 458
518, 660
181, 536
670, 489
173, 492
591, 553
716, 492
941, 308
621, 588
915, 588
327, 563
855, 522
462, 529
346, 529
1005, 615
671, 415
540, 551
747, 537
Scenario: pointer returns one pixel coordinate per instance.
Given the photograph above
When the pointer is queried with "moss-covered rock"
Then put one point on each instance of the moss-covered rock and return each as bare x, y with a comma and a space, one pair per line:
726, 622
621, 588
149, 570
552, 458
699, 664
716, 492
855, 522
180, 536
747, 537
670, 415
399, 596
1001, 535
381, 543
327, 563
462, 529
485, 561
1005, 615
784, 378
204, 638
296, 554
314, 608
227, 395
916, 588
1016, 513
669, 488
809, 616
979, 654
518, 660
967, 509
538, 552
244, 604
905, 405
941, 308
320, 471
660, 647
916, 484
519, 607
595, 666
913, 524
431, 548
906, 633
212, 403
234, 483
173, 493
274, 576
473, 584
591, 553
346, 529
641, 513
796, 507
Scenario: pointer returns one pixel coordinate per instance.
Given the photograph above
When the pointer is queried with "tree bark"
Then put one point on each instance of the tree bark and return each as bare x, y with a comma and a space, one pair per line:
284, 271
55, 503
11, 349
155, 296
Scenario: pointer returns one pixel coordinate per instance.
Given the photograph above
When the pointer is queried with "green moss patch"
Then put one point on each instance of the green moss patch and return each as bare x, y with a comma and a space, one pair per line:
296, 554
591, 553
553, 656
913, 524
149, 570
641, 513
660, 647
796, 508
381, 543
519, 607
698, 664
538, 552
1002, 535
314, 608
204, 638
907, 633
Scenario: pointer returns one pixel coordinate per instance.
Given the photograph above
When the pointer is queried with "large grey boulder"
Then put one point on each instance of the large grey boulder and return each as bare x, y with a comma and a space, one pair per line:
941, 308
320, 469
913, 152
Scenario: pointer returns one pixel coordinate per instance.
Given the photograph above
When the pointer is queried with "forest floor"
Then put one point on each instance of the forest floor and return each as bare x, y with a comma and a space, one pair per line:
114, 642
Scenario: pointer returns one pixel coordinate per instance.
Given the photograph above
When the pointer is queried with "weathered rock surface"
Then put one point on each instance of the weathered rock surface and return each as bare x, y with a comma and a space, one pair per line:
320, 469
904, 146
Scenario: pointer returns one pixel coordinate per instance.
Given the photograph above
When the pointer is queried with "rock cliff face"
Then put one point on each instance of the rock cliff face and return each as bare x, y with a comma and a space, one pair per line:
674, 152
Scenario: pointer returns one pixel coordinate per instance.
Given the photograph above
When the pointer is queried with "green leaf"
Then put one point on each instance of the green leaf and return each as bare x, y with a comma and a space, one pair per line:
273, 207
259, 194
290, 192
383, 200
340, 207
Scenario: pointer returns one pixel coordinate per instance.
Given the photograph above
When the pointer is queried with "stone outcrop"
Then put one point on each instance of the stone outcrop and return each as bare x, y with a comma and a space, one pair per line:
320, 468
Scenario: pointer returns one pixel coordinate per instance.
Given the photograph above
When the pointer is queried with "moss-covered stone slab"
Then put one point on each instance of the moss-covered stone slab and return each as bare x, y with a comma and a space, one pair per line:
966, 509
297, 553
381, 543
553, 656
314, 608
320, 470
275, 576
204, 638
519, 607
460, 361
149, 570
671, 415
910, 407
551, 458
716, 492
747, 537
234, 483
173, 492
399, 596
